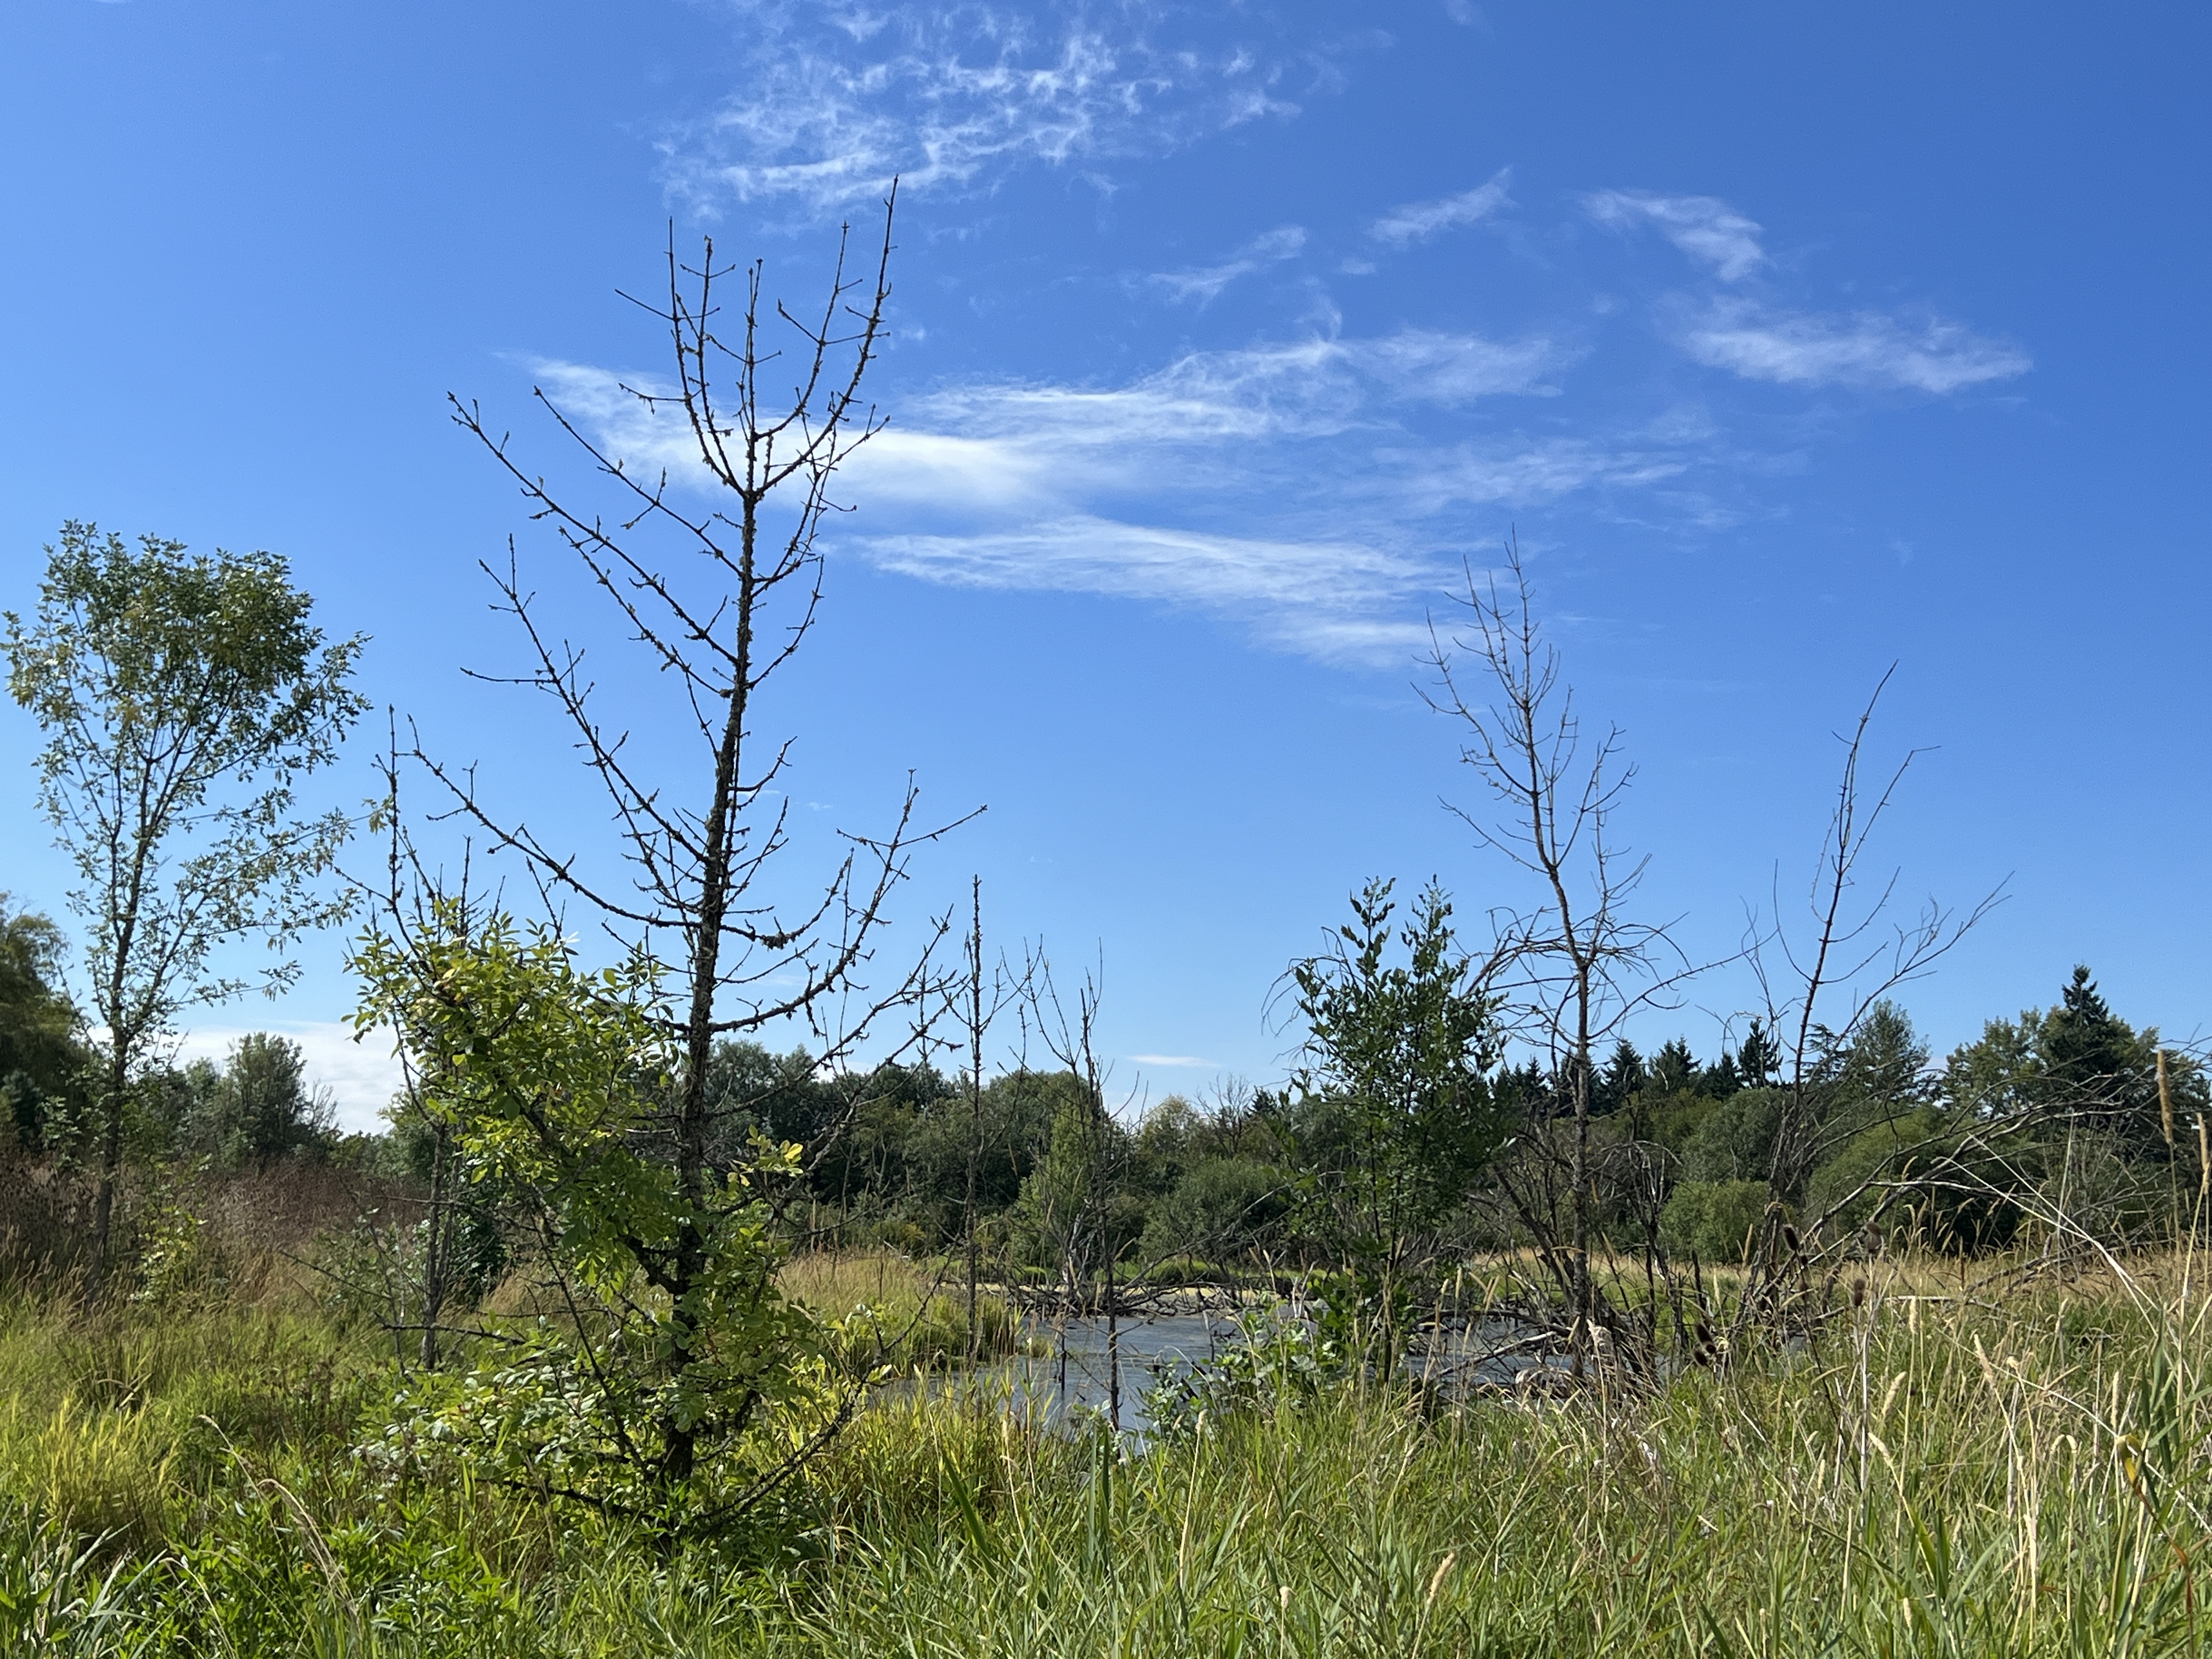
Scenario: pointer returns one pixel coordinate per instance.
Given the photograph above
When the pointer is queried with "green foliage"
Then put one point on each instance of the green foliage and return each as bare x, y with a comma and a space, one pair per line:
162, 682
1718, 1220
42, 1053
671, 1369
2065, 1102
260, 1107
2076, 1061
1735, 1140
1066, 1218
1220, 1207
1394, 1109
1851, 1183
1276, 1363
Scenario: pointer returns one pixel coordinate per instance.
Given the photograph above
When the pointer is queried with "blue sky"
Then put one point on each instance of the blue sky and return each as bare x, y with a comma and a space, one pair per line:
1793, 345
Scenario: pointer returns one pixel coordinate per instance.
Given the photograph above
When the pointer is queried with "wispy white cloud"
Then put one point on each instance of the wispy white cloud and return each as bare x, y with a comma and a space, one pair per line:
1328, 599
1437, 366
1704, 227
1202, 284
1312, 387
1761, 340
1865, 348
1319, 489
1416, 221
1290, 485
836, 102
1191, 1061
1523, 473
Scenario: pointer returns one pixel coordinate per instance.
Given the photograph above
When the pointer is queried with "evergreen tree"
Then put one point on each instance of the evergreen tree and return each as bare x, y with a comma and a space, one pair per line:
1673, 1069
1619, 1079
1760, 1059
1720, 1079
2088, 1053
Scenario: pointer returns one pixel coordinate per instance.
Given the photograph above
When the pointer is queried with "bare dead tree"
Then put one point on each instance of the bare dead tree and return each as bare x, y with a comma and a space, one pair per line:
1572, 967
976, 1003
1852, 958
1089, 1246
713, 567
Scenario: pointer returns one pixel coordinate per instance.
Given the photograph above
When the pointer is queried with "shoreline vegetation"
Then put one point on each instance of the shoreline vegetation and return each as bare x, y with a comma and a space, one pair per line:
2004, 1456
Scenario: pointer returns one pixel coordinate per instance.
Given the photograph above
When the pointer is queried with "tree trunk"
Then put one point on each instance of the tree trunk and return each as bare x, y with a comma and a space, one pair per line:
975, 1106
435, 1260
679, 1440
110, 1168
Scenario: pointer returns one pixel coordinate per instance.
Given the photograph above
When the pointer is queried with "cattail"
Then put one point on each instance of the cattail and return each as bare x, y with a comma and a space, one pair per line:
1858, 1292
2165, 1101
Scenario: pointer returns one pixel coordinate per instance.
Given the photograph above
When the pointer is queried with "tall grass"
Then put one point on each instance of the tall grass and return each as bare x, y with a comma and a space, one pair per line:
893, 1308
1945, 1471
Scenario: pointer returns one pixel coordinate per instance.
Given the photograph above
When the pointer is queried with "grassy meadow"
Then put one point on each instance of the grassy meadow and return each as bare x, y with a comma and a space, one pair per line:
1998, 1464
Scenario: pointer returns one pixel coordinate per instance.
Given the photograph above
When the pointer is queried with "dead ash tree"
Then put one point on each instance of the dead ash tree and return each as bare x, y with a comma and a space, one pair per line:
1572, 967
713, 569
1819, 985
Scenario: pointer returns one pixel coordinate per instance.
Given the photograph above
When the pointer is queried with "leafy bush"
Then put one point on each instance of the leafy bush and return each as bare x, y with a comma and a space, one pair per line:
1278, 1360
1717, 1220
1734, 1142
1865, 1160
1220, 1207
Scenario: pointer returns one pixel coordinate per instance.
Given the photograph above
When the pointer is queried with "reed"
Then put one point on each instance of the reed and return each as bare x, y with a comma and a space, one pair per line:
895, 1310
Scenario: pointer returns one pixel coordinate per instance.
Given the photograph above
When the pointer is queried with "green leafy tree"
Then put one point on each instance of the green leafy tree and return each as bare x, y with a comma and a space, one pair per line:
1220, 1209
714, 597
1734, 1140
1395, 1089
2075, 1063
1717, 1220
183, 699
262, 1108
1056, 1221
2064, 1107
42, 1052
660, 1393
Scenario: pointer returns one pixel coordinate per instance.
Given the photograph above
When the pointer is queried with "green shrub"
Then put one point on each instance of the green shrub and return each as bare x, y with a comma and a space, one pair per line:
1717, 1220
1734, 1143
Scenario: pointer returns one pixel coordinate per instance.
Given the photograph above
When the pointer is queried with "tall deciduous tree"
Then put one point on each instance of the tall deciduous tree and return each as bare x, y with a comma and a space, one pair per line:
264, 1109
183, 699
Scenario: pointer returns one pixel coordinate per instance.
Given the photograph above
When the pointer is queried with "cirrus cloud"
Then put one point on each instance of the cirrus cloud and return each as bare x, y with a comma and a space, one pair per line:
1704, 227
836, 103
1416, 222
1865, 348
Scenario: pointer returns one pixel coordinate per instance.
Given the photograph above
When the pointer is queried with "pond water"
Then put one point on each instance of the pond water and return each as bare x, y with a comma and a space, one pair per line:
1072, 1373
1056, 1384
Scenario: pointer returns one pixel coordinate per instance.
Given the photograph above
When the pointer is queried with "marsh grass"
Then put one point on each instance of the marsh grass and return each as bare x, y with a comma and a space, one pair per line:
894, 1308
2014, 1469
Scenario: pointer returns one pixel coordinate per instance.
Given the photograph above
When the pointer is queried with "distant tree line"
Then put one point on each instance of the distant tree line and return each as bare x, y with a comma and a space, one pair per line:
253, 1108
